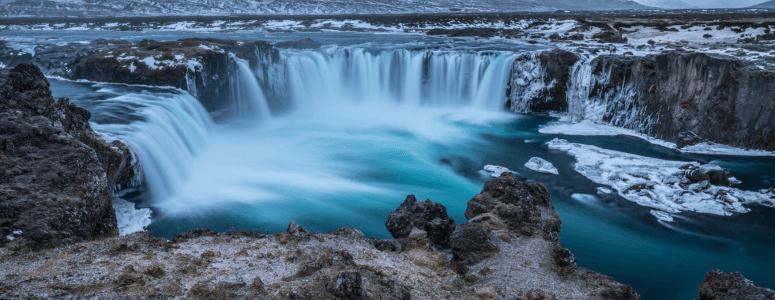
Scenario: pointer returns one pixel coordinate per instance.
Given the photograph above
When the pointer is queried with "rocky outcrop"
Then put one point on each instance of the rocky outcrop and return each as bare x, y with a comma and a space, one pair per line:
539, 81
204, 67
674, 95
56, 174
508, 249
426, 216
722, 286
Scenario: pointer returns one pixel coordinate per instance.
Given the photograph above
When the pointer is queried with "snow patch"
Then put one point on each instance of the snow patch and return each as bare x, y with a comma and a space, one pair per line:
129, 218
496, 171
659, 184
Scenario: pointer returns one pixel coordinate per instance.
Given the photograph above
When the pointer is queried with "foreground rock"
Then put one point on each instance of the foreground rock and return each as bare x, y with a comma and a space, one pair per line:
56, 174
720, 285
508, 249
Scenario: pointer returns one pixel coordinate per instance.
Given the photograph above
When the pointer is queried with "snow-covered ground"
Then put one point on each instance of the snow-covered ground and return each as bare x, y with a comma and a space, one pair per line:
659, 184
589, 128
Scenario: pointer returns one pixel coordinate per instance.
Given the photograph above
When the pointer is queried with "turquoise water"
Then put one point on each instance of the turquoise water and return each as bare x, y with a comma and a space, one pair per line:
351, 165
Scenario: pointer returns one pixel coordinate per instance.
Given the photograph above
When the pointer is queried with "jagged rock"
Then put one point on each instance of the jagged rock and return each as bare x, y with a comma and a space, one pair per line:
57, 174
522, 208
727, 286
427, 216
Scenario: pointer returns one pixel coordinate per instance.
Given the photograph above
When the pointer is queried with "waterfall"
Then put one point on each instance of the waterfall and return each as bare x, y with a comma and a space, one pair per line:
164, 130
413, 77
248, 97
593, 95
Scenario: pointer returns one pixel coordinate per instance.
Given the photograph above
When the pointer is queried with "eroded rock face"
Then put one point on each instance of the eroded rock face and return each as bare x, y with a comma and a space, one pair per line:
721, 286
427, 216
56, 174
204, 67
539, 81
676, 95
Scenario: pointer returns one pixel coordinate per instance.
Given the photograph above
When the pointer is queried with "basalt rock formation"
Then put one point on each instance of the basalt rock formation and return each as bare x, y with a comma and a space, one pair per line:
539, 81
721, 285
677, 94
56, 174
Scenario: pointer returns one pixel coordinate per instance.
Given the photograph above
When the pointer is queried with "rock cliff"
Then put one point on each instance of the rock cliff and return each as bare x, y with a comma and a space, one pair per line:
57, 175
676, 95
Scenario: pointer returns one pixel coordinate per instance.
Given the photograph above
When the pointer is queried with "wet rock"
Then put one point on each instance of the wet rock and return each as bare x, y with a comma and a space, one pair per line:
306, 43
719, 177
427, 216
539, 83
721, 285
56, 174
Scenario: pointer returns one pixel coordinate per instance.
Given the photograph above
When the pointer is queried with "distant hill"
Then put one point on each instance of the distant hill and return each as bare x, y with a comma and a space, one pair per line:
669, 4
768, 4
50, 8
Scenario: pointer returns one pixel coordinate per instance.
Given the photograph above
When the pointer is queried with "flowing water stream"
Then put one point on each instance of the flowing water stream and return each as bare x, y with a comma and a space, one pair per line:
359, 128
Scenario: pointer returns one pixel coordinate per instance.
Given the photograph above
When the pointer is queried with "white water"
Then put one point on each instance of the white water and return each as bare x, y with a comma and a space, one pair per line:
352, 109
344, 76
248, 97
166, 133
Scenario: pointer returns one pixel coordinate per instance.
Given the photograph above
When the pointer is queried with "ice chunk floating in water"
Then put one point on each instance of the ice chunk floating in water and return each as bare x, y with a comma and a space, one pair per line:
541, 165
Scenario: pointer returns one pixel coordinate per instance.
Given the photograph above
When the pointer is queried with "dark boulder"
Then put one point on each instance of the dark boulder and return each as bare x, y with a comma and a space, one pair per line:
719, 177
721, 286
472, 242
56, 174
427, 216
524, 207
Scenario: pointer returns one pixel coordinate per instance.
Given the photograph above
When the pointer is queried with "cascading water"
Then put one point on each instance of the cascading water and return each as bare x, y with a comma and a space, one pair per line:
594, 96
164, 130
248, 97
335, 76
